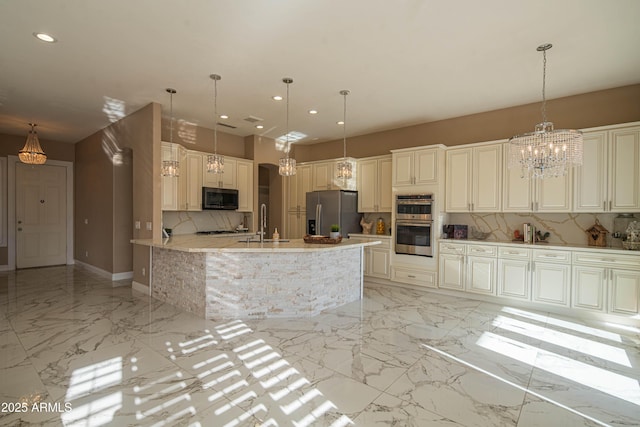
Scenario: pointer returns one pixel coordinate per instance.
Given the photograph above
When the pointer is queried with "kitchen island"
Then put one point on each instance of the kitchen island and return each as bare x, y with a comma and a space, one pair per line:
228, 277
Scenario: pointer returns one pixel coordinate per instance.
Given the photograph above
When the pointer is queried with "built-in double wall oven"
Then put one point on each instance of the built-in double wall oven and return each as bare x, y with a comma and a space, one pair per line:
413, 224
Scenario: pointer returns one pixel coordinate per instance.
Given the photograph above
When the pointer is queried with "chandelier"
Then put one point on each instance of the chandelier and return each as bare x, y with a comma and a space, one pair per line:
287, 165
171, 168
545, 152
215, 161
345, 168
32, 153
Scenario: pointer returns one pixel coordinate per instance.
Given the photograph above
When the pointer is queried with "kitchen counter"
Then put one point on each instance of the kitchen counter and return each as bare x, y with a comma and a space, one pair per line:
237, 243
225, 277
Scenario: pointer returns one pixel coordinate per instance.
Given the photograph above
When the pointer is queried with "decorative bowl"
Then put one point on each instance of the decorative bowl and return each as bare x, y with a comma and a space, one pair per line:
479, 234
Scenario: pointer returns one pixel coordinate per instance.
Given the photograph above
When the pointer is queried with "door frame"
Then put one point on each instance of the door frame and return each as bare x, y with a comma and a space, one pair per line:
11, 208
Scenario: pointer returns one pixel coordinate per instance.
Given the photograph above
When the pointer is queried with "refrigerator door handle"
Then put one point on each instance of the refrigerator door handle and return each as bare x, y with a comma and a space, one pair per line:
318, 218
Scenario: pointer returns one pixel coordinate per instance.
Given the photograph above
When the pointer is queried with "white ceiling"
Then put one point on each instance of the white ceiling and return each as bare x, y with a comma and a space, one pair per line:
404, 61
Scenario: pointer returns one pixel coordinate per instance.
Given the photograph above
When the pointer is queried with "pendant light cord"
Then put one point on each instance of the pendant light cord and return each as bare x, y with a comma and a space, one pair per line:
287, 123
544, 85
171, 113
344, 126
215, 116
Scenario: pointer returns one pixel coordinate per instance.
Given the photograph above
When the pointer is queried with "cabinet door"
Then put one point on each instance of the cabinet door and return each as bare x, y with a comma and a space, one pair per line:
385, 197
551, 283
379, 263
588, 287
514, 279
458, 180
227, 179
170, 183
322, 176
452, 271
624, 291
487, 179
517, 192
554, 194
367, 185
590, 179
425, 166
481, 275
295, 225
403, 168
303, 178
194, 181
245, 186
624, 170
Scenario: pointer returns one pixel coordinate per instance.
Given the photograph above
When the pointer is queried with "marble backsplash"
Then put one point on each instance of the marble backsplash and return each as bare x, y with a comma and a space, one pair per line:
564, 228
189, 222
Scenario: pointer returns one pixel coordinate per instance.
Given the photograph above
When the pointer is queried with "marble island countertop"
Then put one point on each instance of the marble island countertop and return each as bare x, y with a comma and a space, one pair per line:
545, 245
238, 243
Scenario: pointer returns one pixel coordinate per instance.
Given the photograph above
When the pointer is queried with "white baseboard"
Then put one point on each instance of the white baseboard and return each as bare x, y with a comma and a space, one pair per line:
139, 287
114, 277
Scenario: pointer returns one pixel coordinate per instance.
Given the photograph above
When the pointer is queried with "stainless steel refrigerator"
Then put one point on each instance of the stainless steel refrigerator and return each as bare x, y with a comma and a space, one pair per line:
325, 208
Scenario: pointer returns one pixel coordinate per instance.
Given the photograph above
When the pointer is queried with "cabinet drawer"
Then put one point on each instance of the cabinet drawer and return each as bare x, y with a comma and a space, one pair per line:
482, 250
604, 260
549, 255
452, 248
414, 277
513, 253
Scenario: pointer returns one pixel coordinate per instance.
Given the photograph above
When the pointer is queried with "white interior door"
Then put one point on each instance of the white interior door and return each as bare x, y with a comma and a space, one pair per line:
41, 215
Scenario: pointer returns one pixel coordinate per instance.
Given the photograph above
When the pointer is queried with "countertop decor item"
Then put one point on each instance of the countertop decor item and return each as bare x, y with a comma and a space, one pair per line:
321, 239
366, 226
546, 152
633, 237
335, 231
597, 234
479, 234
380, 227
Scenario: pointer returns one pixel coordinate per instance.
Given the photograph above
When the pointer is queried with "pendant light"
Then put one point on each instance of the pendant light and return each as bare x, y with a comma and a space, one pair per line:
345, 168
32, 153
545, 152
171, 168
215, 161
287, 164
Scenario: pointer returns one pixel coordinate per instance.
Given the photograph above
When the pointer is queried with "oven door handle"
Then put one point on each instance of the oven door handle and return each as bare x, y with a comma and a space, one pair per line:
414, 224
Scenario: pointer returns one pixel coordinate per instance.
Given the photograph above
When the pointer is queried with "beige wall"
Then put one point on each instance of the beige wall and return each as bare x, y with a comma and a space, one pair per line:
115, 186
199, 138
619, 105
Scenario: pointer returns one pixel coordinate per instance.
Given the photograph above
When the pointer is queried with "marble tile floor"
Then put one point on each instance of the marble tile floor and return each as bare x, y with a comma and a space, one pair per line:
78, 350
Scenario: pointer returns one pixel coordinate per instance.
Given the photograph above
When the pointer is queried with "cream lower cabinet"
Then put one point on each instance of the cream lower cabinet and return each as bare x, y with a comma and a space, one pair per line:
551, 276
514, 272
481, 269
377, 258
452, 265
606, 282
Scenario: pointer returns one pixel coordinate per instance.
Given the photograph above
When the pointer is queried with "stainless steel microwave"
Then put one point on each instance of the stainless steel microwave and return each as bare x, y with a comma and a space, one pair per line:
219, 198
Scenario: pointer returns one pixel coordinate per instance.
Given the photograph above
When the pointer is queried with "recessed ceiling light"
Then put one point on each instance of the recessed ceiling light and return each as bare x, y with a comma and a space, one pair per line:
45, 37
340, 122
224, 116
259, 127
313, 111
277, 98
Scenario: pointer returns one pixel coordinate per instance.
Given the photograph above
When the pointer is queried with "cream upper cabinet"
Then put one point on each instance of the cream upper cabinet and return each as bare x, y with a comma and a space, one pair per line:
191, 199
244, 179
534, 195
227, 179
590, 187
624, 170
609, 178
415, 167
324, 175
374, 184
297, 187
474, 179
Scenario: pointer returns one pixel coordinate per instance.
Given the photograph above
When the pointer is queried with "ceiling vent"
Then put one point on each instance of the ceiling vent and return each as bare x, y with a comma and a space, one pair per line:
227, 126
253, 119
